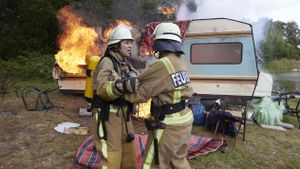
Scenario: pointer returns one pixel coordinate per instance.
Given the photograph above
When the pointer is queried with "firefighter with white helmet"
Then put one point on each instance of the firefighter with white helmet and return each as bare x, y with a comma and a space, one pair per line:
167, 83
113, 77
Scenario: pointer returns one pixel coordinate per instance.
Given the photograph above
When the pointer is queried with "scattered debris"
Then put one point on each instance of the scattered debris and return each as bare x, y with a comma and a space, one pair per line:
85, 112
71, 128
77, 131
267, 111
285, 125
272, 127
42, 100
65, 125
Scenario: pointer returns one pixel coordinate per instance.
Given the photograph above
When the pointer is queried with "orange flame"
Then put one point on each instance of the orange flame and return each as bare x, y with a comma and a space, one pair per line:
112, 26
169, 11
76, 42
143, 110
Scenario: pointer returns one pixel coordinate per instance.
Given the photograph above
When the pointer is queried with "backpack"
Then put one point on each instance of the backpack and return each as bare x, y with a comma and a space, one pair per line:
226, 125
199, 114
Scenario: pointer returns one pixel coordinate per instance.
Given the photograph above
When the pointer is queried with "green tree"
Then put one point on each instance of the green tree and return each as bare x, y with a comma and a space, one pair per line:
292, 33
281, 41
28, 25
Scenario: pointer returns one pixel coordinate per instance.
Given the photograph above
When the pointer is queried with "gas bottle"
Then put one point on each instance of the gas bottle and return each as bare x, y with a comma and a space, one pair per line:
91, 66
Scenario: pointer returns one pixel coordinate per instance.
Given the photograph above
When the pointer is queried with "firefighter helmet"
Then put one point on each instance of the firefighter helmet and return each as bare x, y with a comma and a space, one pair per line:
168, 31
121, 32
166, 45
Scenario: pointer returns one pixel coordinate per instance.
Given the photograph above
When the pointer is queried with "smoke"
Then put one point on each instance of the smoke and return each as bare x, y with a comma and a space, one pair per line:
233, 9
101, 14
260, 28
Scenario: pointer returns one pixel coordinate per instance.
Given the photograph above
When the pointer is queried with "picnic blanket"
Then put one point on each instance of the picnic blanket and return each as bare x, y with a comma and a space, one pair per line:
88, 156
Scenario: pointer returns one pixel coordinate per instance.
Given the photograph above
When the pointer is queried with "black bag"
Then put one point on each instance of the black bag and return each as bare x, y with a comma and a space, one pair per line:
226, 126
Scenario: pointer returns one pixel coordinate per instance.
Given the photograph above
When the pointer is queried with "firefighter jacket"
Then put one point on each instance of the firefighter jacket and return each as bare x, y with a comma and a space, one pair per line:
116, 153
165, 82
106, 74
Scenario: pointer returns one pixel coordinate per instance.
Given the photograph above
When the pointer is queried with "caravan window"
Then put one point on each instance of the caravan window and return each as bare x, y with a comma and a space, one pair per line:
216, 53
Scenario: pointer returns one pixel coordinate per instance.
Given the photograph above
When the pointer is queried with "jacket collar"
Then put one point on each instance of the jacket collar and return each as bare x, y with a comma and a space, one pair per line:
117, 56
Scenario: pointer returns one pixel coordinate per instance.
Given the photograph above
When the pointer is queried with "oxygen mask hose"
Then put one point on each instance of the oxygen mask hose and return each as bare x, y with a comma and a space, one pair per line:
129, 137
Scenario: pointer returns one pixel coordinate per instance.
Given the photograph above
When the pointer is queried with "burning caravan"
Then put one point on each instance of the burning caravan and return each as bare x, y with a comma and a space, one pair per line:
78, 43
219, 54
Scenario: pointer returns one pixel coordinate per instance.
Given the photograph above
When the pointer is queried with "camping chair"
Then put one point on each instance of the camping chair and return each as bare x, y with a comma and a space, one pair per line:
42, 100
285, 99
237, 107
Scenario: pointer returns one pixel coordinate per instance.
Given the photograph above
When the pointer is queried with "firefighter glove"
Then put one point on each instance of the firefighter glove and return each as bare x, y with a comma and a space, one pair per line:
132, 84
127, 85
132, 74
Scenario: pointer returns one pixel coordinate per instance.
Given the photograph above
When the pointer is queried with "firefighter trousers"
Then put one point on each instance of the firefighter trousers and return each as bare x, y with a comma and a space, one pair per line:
115, 152
172, 148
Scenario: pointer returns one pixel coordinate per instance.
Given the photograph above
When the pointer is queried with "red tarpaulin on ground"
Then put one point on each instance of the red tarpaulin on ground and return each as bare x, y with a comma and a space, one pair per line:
88, 156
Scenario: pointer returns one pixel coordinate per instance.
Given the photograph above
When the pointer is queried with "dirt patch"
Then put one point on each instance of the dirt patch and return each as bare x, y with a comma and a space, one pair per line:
28, 139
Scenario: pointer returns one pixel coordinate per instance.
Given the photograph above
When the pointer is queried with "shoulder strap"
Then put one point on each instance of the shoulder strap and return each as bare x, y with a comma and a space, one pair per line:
113, 60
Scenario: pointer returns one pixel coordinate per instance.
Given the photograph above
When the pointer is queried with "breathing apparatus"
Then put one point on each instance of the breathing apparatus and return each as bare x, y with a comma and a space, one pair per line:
89, 91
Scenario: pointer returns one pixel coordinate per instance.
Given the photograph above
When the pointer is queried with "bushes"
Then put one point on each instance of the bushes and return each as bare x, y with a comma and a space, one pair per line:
282, 65
28, 66
35, 65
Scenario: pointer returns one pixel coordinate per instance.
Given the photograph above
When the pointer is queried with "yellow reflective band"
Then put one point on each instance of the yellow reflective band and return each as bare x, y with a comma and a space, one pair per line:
116, 109
177, 95
101, 133
150, 154
104, 148
168, 69
168, 65
109, 90
146, 166
103, 142
176, 118
96, 116
104, 167
113, 109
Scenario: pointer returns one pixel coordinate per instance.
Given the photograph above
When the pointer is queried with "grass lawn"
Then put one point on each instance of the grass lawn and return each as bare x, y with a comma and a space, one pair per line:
28, 140
263, 148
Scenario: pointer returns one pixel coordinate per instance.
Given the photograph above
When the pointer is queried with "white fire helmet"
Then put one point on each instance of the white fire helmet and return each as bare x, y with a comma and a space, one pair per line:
167, 31
121, 32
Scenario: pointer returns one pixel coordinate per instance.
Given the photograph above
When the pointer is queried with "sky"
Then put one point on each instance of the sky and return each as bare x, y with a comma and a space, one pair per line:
253, 10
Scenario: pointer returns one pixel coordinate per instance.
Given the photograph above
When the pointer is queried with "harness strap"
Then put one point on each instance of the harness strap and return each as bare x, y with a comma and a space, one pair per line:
173, 108
166, 109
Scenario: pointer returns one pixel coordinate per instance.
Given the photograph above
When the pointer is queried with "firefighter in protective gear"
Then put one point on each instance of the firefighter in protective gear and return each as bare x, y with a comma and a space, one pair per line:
167, 83
113, 77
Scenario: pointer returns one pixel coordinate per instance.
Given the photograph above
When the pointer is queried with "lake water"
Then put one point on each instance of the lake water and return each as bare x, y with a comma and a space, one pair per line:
288, 80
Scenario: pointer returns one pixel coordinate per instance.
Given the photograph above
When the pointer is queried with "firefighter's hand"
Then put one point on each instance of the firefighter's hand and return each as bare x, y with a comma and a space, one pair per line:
132, 84
127, 85
132, 74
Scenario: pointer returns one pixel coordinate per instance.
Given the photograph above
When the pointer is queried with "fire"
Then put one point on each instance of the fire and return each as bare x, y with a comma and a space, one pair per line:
112, 26
76, 42
143, 110
166, 10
